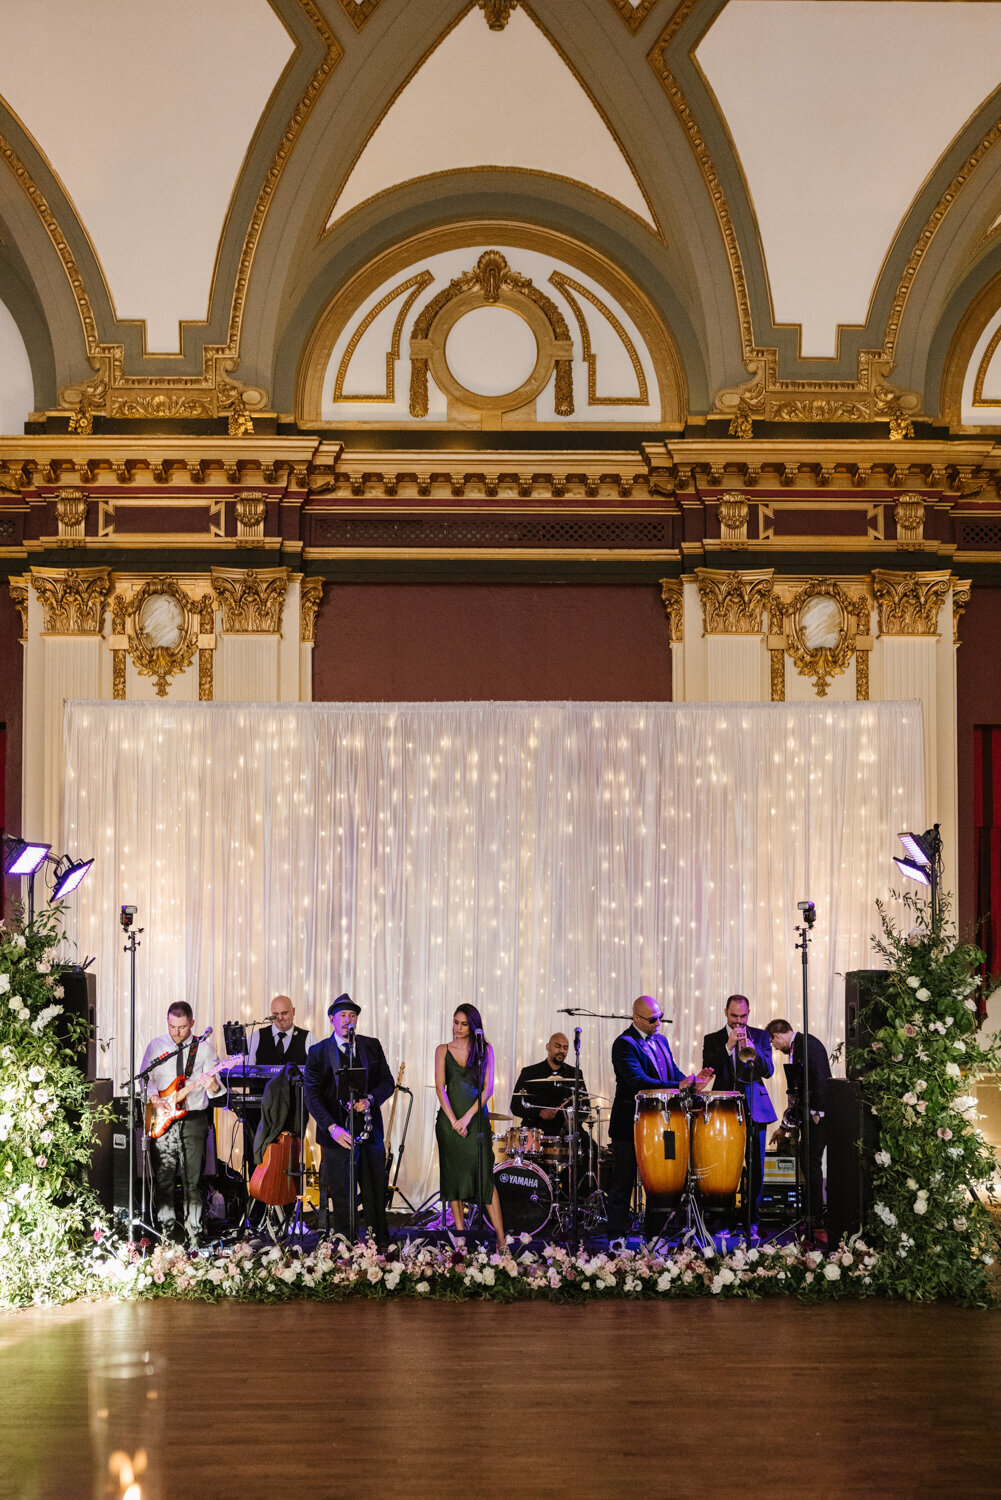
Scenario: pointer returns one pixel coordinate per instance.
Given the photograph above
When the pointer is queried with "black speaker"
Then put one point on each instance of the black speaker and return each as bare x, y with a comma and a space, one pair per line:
852, 1136
101, 1172
865, 1010
80, 1000
120, 1154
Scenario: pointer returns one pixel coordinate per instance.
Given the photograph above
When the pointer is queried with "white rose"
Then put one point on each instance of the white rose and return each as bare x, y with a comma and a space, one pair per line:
952, 1069
19, 940
913, 981
14, 1002
921, 1205
922, 994
4, 983
959, 1045
43, 966
40, 1096
35, 1074
832, 1272
883, 1158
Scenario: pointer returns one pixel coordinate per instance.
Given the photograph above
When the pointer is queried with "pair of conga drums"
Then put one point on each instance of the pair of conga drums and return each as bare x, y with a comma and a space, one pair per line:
670, 1130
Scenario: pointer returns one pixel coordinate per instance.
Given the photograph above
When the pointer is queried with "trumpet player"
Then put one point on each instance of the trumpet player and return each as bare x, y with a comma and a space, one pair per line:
741, 1058
334, 1130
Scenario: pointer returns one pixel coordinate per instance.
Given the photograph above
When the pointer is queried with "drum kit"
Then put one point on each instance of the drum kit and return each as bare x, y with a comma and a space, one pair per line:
690, 1153
533, 1182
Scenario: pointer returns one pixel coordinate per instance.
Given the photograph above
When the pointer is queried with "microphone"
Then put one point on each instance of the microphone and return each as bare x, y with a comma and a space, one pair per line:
569, 1010
576, 1033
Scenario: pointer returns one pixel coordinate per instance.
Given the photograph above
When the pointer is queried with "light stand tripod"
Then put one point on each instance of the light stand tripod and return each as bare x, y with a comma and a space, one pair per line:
126, 918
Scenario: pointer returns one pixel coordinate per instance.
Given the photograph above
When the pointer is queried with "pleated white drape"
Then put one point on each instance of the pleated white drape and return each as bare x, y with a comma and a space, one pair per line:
522, 856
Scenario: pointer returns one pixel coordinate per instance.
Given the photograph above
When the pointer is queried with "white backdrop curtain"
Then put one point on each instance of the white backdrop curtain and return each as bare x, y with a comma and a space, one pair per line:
522, 856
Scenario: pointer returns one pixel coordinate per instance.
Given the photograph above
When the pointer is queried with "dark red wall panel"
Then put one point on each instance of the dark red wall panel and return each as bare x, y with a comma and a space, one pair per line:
440, 642
978, 701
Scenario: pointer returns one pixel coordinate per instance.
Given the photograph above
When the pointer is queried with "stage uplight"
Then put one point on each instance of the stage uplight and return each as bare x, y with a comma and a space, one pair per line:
925, 862
913, 870
69, 876
21, 857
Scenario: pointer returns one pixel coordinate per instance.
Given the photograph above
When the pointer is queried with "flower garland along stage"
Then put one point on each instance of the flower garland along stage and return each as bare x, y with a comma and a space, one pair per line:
930, 1234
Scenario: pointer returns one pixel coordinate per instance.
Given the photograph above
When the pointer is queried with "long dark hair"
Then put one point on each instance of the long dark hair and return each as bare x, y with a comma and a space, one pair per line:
477, 1043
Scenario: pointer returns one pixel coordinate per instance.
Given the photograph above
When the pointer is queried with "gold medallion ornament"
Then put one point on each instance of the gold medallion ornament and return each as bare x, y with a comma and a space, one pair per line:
160, 625
821, 623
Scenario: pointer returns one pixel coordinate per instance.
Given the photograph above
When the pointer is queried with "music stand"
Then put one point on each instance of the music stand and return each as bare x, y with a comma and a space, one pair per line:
351, 1082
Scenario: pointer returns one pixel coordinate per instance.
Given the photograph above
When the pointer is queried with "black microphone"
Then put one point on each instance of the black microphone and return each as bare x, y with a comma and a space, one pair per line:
205, 1033
568, 1011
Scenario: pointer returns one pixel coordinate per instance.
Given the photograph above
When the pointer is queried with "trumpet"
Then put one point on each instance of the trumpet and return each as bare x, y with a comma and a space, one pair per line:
745, 1047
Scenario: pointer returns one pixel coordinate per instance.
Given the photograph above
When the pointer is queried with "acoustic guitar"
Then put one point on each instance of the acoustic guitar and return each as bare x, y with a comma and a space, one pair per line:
273, 1181
162, 1111
389, 1138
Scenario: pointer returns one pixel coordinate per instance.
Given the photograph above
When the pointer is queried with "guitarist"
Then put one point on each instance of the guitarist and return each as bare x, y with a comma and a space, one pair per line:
180, 1061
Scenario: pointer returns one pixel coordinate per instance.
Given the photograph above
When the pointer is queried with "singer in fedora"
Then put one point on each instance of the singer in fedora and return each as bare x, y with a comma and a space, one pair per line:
181, 1067
333, 1133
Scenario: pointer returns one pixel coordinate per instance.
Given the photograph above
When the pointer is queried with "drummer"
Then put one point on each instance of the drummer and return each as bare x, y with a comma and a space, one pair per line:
642, 1059
540, 1097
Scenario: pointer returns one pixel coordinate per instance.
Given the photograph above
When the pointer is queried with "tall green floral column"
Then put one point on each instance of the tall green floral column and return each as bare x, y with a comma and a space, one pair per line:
932, 1171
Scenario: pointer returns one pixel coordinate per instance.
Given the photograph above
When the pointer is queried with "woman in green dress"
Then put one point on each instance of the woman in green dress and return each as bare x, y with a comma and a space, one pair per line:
465, 1156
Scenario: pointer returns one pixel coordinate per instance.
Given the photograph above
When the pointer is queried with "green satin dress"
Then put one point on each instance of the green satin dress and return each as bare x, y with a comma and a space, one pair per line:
457, 1155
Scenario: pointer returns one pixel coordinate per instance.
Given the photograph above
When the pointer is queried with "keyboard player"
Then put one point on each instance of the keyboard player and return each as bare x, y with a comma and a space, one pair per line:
282, 1042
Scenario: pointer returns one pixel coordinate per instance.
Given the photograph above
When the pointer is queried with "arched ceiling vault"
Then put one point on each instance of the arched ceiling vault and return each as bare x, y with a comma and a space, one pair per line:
758, 147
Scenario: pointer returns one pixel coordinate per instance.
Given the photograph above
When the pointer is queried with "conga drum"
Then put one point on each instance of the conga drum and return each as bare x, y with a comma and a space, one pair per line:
718, 1139
661, 1136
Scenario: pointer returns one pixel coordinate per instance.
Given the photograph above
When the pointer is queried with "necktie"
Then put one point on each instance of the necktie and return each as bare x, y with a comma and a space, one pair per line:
180, 1061
282, 1039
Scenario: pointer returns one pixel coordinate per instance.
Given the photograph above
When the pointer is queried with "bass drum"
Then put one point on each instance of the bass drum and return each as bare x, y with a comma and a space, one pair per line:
718, 1140
526, 1197
661, 1136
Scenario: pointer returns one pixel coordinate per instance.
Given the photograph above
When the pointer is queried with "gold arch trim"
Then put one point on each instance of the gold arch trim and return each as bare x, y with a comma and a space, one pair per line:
568, 287
358, 11
633, 15
415, 285
983, 367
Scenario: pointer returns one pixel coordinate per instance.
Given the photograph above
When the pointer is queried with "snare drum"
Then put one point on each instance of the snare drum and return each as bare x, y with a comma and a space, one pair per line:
555, 1152
523, 1140
526, 1197
719, 1136
661, 1136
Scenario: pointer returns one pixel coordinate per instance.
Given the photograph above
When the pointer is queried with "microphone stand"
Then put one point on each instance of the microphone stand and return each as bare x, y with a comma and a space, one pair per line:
481, 1071
745, 1085
574, 1144
131, 944
809, 917
352, 1165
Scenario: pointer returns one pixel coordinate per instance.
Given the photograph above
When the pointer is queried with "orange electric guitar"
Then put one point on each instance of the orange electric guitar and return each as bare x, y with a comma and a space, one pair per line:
162, 1111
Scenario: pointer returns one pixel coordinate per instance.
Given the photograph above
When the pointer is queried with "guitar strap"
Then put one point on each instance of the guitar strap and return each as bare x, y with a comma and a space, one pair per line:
191, 1061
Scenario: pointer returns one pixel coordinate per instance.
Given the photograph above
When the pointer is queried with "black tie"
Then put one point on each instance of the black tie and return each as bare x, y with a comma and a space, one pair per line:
180, 1060
282, 1039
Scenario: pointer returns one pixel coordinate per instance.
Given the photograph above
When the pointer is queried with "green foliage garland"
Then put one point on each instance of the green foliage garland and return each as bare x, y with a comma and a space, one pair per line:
47, 1215
932, 1168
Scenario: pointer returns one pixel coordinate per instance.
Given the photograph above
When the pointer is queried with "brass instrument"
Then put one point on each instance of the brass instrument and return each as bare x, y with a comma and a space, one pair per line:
745, 1047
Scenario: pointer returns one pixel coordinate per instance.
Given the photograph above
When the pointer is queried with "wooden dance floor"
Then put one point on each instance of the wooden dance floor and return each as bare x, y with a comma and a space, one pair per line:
506, 1403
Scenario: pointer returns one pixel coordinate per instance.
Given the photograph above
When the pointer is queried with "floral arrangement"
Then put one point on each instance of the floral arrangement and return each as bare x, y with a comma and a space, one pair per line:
47, 1123
932, 1172
333, 1272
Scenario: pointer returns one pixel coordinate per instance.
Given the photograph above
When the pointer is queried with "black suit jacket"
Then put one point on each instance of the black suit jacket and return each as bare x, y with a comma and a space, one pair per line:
323, 1063
638, 1068
722, 1062
820, 1071
543, 1093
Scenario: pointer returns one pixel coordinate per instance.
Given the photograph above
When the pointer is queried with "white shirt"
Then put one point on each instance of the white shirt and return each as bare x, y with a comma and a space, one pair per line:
164, 1075
252, 1047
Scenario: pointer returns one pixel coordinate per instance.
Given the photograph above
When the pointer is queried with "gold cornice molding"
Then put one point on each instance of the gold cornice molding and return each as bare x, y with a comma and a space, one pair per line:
81, 459
733, 603
251, 600
310, 594
908, 604
73, 600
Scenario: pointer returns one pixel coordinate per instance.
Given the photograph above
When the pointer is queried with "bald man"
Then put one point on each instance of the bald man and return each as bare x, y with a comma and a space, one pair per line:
642, 1060
538, 1099
282, 1041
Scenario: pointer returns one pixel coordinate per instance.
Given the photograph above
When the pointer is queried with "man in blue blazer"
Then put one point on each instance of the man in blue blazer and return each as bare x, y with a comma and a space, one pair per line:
721, 1052
642, 1060
323, 1063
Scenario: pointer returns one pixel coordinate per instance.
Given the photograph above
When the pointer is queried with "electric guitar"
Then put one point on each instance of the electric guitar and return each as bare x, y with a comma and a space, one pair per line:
162, 1111
389, 1137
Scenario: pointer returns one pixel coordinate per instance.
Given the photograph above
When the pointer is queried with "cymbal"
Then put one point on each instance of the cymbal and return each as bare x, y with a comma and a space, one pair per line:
493, 1114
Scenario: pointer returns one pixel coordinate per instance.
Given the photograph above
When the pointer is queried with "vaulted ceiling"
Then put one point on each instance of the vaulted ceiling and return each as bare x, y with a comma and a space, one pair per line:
788, 210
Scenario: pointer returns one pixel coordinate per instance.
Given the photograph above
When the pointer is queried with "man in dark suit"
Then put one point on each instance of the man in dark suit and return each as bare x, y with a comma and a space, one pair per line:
642, 1060
333, 1133
721, 1051
538, 1099
790, 1044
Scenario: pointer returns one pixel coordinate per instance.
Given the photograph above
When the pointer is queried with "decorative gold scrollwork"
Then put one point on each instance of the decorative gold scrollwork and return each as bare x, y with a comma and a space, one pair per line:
908, 603
821, 625
73, 601
672, 591
733, 603
733, 511
19, 594
961, 590
310, 594
71, 517
909, 514
251, 509
497, 12
251, 601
